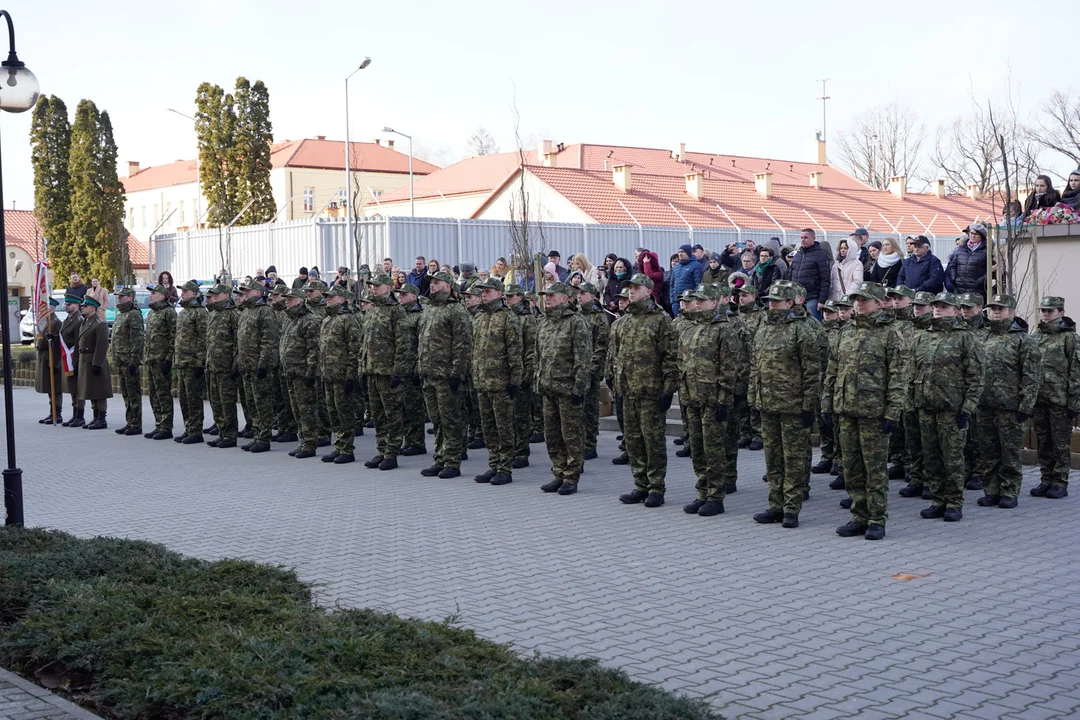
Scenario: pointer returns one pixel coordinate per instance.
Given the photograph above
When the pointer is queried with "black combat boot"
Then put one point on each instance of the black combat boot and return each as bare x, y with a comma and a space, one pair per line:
633, 497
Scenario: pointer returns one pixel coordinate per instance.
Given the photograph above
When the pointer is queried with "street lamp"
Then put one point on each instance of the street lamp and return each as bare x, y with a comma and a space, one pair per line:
412, 202
348, 171
198, 168
19, 91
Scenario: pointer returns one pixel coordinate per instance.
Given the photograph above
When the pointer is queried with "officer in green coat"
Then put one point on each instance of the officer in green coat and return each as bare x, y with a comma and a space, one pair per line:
95, 380
128, 342
48, 364
69, 331
1059, 396
189, 359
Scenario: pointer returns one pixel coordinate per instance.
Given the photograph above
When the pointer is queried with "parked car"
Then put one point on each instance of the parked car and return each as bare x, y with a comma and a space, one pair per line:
26, 324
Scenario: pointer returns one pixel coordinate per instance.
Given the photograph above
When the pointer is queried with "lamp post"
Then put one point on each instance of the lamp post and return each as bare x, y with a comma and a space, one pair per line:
198, 167
348, 170
412, 202
19, 91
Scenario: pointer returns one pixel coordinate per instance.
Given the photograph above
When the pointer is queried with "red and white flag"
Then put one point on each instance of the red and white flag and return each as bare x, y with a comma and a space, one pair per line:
41, 296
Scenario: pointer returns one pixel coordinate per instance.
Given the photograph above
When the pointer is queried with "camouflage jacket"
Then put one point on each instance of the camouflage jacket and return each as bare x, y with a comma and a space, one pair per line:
257, 337
710, 355
742, 372
160, 333
298, 348
785, 375
383, 347
339, 345
832, 337
1061, 364
317, 308
921, 323
947, 373
600, 332
129, 336
221, 329
190, 348
410, 333
444, 338
979, 327
643, 352
496, 348
867, 374
1014, 367
528, 343
564, 353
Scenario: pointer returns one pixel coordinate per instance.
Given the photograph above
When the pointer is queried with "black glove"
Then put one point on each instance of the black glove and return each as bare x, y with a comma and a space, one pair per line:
962, 421
721, 412
416, 379
394, 381
96, 369
740, 399
512, 390
348, 386
663, 402
1022, 417
576, 400
888, 426
1071, 414
455, 383
610, 382
198, 372
310, 381
807, 418
50, 337
260, 373
133, 370
235, 373
826, 421
166, 367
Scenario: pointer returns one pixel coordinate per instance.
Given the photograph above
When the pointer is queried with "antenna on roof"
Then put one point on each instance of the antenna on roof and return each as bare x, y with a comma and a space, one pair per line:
767, 165
610, 153
791, 167
710, 161
823, 98
732, 162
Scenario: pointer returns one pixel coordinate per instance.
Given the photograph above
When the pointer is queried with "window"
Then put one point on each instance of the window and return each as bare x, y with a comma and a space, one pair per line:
181, 213
309, 199
377, 193
144, 217
131, 218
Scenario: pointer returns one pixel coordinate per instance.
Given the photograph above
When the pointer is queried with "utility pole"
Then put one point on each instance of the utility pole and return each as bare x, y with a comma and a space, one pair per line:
823, 98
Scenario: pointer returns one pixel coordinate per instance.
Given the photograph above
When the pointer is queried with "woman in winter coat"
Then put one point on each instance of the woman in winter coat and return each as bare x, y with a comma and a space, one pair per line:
650, 265
885, 268
847, 271
766, 271
581, 264
1045, 196
1071, 196
620, 273
716, 273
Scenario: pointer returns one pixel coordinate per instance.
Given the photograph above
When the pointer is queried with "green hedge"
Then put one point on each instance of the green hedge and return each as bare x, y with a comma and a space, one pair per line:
132, 630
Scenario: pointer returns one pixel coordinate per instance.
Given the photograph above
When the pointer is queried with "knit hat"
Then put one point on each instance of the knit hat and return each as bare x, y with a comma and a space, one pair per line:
303, 271
271, 269
687, 249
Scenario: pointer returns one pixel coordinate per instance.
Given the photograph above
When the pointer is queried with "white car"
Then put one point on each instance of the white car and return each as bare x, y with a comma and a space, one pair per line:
26, 324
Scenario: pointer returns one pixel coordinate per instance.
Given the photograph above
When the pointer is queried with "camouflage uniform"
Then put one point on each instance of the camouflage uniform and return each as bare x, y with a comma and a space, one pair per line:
898, 441
359, 394
497, 375
599, 331
316, 303
564, 366
127, 344
158, 356
223, 374
974, 464
339, 359
1014, 374
257, 336
947, 382
411, 384
749, 417
298, 351
914, 466
474, 428
444, 354
523, 421
1059, 395
190, 360
385, 360
677, 325
284, 420
730, 469
830, 437
865, 394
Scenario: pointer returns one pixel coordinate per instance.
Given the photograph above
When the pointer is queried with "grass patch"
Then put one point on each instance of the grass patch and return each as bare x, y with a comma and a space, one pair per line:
132, 630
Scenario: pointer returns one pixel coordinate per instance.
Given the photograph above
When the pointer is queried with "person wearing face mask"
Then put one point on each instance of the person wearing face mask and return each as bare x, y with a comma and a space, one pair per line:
1071, 196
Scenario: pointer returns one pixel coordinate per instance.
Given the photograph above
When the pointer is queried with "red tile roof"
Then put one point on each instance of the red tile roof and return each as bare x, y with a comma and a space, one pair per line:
21, 229
479, 174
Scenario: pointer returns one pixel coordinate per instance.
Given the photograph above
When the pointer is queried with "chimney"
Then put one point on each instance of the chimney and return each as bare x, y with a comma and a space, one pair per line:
815, 179
973, 192
695, 185
763, 183
378, 141
680, 152
620, 174
821, 159
898, 186
939, 188
320, 137
390, 144
544, 149
550, 159
133, 167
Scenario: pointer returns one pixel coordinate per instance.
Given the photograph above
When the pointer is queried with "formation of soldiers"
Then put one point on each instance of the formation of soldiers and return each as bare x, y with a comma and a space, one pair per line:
931, 382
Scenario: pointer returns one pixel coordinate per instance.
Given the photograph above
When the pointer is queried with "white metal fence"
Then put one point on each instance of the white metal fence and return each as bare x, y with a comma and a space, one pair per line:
324, 243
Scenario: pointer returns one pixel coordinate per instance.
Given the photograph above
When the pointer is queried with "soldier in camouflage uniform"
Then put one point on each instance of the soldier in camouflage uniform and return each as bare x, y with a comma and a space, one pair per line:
257, 336
1059, 397
922, 316
284, 420
686, 299
599, 331
711, 355
865, 394
947, 380
385, 359
644, 361
899, 300
415, 440
474, 436
1013, 375
537, 402
612, 370
69, 331
725, 306
223, 375
971, 310
314, 291
564, 370
831, 323
189, 358
298, 351
497, 374
785, 385
749, 418
444, 357
339, 359
514, 296
128, 341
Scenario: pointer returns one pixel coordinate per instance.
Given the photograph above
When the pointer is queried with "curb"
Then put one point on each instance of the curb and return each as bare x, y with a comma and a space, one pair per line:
46, 696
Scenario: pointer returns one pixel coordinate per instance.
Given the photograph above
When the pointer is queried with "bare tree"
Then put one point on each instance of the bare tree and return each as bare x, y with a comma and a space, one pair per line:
441, 156
883, 142
482, 142
1059, 126
526, 239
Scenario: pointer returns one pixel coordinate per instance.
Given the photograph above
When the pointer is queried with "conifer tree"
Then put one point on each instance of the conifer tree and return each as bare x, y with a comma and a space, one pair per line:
50, 140
254, 134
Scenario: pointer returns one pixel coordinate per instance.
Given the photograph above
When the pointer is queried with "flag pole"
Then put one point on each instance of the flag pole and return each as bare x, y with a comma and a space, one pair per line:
52, 375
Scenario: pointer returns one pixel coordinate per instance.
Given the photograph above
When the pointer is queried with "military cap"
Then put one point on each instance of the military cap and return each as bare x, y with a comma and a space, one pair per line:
779, 291
281, 290
687, 294
252, 285
870, 290
625, 293
53, 302
445, 277
68, 299
558, 287
588, 287
641, 279
490, 284
722, 289
844, 302
381, 279
317, 285
747, 289
514, 289
830, 306
946, 298
971, 300
902, 291
473, 289
90, 301
407, 288
337, 290
1052, 302
191, 285
924, 298
219, 288
1007, 301
130, 292
293, 292
531, 297
800, 291
705, 291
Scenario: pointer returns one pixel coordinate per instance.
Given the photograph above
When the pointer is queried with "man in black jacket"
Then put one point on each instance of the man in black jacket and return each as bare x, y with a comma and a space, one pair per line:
810, 267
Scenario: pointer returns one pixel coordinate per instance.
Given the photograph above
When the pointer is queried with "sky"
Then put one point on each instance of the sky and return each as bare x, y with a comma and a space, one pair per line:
724, 78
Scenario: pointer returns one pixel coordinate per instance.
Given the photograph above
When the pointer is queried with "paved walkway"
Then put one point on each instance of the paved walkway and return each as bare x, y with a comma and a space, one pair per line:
977, 619
23, 700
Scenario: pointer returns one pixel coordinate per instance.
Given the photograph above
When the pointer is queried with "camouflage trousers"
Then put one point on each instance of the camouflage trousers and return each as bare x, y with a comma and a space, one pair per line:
913, 453
190, 391
359, 400
246, 403
708, 451
1001, 436
413, 414
322, 412
829, 441
472, 411
131, 391
283, 413
305, 409
497, 420
537, 415
730, 475
260, 396
341, 407
386, 412
617, 402
644, 426
222, 388
973, 464
749, 421
943, 457
591, 413
898, 445
522, 423
444, 409
159, 391
683, 420
866, 468
787, 445
564, 436
1053, 430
